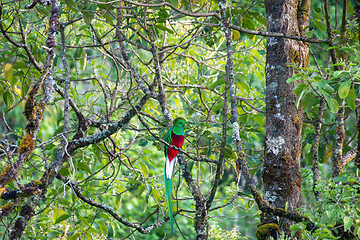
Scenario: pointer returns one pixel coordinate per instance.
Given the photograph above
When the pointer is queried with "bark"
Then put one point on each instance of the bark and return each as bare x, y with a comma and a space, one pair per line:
357, 15
338, 163
315, 147
201, 216
357, 160
281, 174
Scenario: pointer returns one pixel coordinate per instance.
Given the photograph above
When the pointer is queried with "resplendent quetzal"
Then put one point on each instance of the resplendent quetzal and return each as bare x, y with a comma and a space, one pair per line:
175, 136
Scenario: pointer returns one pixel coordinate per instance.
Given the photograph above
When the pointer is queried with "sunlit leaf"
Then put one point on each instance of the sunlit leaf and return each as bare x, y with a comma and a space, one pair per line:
350, 100
8, 72
344, 89
144, 169
9, 98
162, 27
62, 218
347, 223
294, 78
235, 35
298, 99
334, 105
17, 91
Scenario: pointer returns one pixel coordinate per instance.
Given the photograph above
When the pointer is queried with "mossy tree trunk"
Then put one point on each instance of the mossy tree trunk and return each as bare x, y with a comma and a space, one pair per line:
281, 174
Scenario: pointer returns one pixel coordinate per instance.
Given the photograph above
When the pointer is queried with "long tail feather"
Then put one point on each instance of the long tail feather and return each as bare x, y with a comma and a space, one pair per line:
179, 229
168, 194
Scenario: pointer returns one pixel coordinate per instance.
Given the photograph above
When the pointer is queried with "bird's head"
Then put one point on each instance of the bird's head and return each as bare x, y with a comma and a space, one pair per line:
178, 122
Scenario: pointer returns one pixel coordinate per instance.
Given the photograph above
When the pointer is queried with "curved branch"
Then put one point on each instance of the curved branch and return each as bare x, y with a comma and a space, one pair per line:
315, 147
75, 187
281, 35
24, 46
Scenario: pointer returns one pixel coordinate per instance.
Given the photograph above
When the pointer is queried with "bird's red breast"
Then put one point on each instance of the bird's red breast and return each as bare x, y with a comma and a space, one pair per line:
177, 141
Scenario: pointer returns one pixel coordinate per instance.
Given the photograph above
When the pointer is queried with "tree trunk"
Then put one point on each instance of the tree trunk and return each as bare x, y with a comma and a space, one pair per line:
281, 174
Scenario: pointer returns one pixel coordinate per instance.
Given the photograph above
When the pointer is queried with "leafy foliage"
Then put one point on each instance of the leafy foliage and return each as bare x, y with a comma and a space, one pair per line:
112, 55
337, 212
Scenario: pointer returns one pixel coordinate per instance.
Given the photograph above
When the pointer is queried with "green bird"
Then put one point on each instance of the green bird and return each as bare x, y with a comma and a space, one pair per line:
175, 137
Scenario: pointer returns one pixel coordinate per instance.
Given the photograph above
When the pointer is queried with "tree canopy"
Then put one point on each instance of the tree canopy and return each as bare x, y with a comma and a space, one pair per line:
269, 90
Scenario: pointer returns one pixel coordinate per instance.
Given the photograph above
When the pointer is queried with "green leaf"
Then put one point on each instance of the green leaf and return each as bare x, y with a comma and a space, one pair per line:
344, 89
13, 82
72, 5
44, 11
348, 49
333, 106
143, 142
217, 83
4, 59
341, 178
85, 167
103, 227
350, 100
243, 86
333, 47
163, 15
320, 25
59, 130
104, 216
326, 96
96, 151
248, 23
175, 3
235, 35
298, 99
144, 169
299, 88
108, 17
340, 63
208, 153
110, 231
53, 234
9, 98
59, 115
88, 17
294, 78
162, 27
156, 195
8, 72
62, 218
259, 120
324, 85
308, 100
147, 195
83, 220
215, 135
259, 17
18, 65
74, 236
190, 165
296, 227
347, 223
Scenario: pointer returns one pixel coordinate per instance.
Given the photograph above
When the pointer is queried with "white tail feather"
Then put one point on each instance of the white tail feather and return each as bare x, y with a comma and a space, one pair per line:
169, 167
